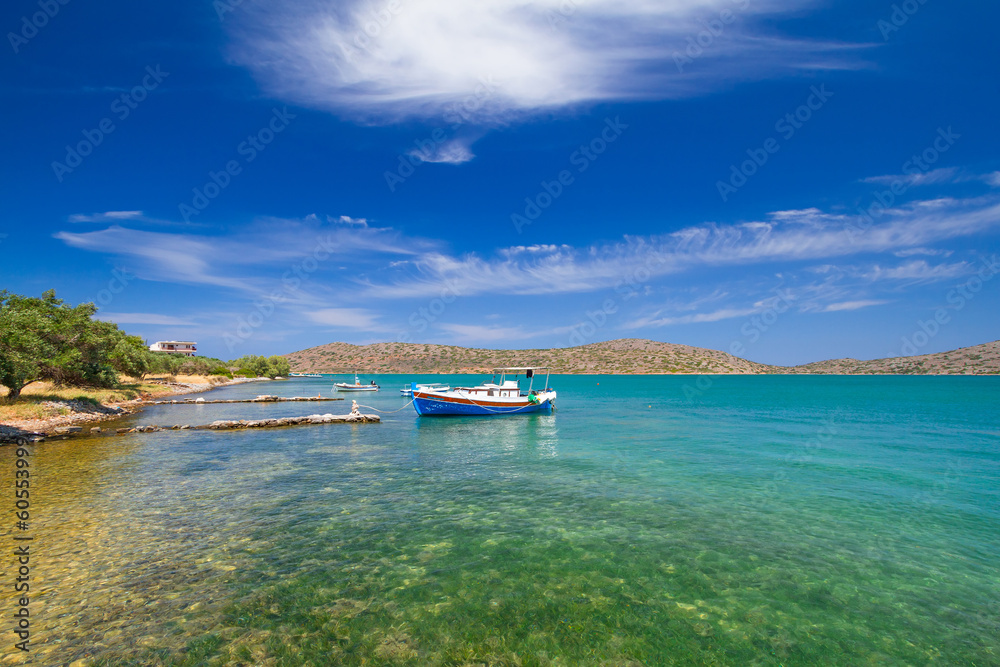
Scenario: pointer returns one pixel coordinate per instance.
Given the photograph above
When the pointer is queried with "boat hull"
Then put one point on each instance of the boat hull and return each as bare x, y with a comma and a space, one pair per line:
362, 388
444, 405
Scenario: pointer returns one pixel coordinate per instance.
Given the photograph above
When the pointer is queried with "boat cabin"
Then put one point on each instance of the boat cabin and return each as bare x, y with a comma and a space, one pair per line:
503, 387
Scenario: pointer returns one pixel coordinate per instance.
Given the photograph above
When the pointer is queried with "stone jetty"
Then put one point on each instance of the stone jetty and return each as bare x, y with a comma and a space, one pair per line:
62, 432
264, 398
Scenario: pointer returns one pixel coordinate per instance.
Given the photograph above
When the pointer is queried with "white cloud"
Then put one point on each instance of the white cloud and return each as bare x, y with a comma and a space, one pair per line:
491, 59
477, 333
348, 318
145, 318
455, 151
930, 252
157, 256
933, 177
786, 236
946, 175
919, 271
107, 216
694, 318
852, 305
348, 220
280, 244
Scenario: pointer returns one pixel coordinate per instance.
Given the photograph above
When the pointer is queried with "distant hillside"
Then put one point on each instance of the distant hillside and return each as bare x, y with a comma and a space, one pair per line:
624, 356
618, 356
977, 360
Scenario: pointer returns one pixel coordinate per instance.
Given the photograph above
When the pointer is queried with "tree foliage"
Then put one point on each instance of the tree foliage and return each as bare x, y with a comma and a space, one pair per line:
46, 339
253, 365
169, 363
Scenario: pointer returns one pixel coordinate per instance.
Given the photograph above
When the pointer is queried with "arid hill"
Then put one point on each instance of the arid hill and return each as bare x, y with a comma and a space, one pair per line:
976, 360
624, 356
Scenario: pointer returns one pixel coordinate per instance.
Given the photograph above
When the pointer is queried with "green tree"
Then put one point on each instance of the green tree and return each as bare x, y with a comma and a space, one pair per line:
25, 340
253, 365
278, 366
46, 339
131, 357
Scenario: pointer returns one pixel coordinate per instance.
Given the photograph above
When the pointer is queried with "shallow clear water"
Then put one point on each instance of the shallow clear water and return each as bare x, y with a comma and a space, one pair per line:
649, 520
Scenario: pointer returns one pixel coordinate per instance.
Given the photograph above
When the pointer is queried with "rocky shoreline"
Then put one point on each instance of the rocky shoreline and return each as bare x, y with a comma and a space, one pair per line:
84, 412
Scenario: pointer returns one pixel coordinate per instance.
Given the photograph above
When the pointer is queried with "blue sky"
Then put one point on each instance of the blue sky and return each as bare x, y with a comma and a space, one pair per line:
790, 181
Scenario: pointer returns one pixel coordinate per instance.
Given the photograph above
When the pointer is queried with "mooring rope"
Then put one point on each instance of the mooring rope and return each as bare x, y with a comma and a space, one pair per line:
387, 412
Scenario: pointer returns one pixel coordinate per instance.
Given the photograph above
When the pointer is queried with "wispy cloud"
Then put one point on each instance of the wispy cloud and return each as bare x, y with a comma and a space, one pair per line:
934, 177
423, 58
156, 255
347, 318
455, 151
107, 216
692, 318
478, 333
145, 318
930, 252
348, 220
919, 271
224, 261
786, 236
945, 175
853, 305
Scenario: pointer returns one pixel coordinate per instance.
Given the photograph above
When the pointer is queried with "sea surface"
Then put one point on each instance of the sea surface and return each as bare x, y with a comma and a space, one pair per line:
651, 520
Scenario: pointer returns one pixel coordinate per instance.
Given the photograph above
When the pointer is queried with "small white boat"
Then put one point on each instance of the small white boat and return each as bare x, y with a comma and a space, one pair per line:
433, 386
304, 375
357, 386
502, 395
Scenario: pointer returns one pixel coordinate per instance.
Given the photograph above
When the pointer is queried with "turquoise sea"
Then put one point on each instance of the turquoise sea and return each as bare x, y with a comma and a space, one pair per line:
747, 520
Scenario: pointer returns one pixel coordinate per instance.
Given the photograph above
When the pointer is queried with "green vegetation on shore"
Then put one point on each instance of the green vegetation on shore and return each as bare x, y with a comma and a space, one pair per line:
47, 340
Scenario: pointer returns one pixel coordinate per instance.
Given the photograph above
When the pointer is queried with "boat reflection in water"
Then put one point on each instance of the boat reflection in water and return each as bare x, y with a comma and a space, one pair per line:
483, 441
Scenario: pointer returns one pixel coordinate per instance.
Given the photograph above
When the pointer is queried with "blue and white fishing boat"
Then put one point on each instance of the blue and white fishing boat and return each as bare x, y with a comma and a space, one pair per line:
357, 386
502, 395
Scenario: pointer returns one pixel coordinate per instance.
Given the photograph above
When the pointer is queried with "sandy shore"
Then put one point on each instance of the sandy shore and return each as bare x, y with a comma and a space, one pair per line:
83, 412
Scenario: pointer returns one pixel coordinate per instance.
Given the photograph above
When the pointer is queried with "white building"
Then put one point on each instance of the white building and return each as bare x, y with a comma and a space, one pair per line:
186, 347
